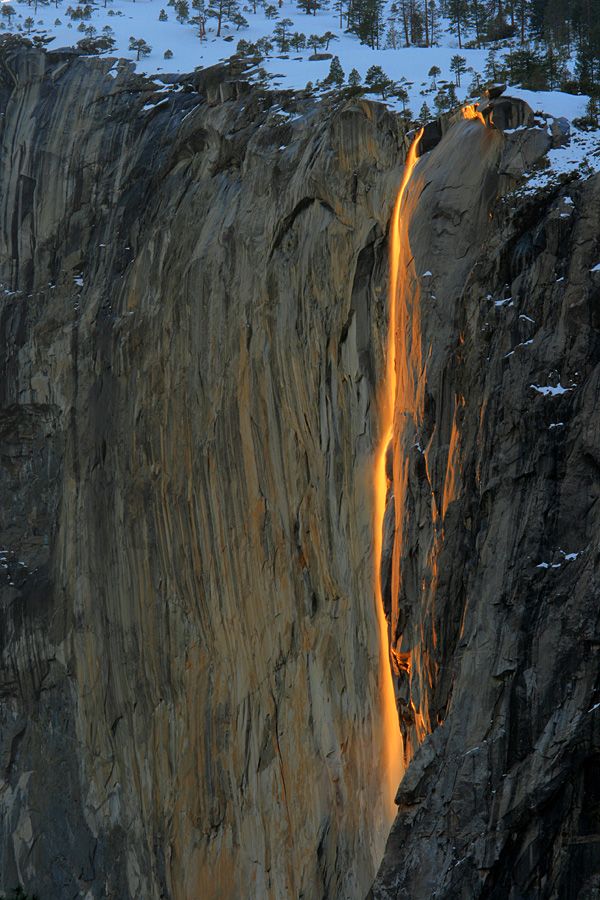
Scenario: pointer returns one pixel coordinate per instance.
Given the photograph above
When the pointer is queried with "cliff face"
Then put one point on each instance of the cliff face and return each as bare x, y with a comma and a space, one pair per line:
193, 327
192, 309
493, 555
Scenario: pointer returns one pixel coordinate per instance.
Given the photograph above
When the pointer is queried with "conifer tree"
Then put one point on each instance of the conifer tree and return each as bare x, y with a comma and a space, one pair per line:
452, 98
391, 37
139, 46
477, 12
378, 81
216, 10
200, 17
433, 74
475, 86
339, 8
182, 10
491, 66
592, 111
298, 41
424, 114
458, 64
328, 37
441, 101
401, 93
281, 34
336, 73
8, 11
457, 10
365, 19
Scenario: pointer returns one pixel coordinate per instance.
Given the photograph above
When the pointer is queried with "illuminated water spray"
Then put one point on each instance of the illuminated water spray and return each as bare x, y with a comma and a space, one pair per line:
402, 390
392, 740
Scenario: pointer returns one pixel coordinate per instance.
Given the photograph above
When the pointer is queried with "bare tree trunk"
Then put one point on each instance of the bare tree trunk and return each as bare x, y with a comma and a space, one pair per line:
477, 22
405, 15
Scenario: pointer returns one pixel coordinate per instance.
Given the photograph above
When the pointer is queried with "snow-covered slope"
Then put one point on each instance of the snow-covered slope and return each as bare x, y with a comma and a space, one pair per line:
407, 66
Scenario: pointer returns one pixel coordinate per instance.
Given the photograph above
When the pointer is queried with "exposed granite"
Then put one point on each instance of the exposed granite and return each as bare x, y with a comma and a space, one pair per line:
494, 571
192, 311
193, 324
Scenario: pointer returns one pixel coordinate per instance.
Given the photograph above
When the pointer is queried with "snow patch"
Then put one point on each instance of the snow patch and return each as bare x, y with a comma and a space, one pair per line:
549, 390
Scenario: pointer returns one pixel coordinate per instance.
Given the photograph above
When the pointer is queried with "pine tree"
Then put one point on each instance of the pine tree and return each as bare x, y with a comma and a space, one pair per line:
424, 114
491, 66
139, 46
441, 101
457, 10
433, 74
264, 46
298, 41
245, 48
477, 12
216, 10
522, 11
182, 10
432, 23
8, 11
365, 19
200, 17
400, 92
475, 86
391, 37
378, 81
281, 34
452, 98
458, 64
162, 16
336, 73
339, 7
310, 7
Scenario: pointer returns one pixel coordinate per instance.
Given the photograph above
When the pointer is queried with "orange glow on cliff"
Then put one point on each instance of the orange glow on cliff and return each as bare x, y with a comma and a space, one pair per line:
471, 111
393, 751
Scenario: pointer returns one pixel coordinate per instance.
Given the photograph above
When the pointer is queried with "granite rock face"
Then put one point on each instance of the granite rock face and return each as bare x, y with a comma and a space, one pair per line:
193, 314
492, 565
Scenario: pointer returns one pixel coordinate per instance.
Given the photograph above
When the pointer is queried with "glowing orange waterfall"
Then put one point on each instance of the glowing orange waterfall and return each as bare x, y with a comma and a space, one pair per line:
392, 740
471, 111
